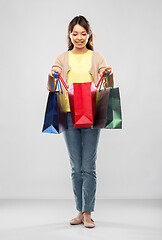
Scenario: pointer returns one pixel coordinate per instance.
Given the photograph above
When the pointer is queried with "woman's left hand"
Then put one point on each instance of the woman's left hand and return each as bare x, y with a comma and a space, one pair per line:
111, 73
109, 69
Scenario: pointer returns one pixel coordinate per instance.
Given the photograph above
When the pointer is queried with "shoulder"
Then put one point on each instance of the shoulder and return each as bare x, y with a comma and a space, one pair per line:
98, 55
99, 58
61, 58
62, 55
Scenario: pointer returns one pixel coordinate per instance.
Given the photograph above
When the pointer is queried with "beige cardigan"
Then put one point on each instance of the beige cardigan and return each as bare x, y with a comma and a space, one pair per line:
61, 65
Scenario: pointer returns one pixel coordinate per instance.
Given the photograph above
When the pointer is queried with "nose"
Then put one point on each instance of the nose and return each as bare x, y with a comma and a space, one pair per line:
79, 36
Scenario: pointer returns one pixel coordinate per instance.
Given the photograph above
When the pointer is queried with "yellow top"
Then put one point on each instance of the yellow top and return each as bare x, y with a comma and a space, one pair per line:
80, 65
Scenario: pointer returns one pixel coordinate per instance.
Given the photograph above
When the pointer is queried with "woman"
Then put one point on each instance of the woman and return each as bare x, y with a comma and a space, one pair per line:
81, 64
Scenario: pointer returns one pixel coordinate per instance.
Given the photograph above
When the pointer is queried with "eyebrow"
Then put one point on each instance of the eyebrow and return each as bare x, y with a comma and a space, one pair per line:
82, 31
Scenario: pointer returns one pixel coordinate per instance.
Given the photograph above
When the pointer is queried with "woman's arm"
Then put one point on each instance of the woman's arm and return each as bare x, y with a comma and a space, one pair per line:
102, 66
56, 67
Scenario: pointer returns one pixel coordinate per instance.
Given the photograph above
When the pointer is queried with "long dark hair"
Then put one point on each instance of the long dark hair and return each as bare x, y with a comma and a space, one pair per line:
82, 21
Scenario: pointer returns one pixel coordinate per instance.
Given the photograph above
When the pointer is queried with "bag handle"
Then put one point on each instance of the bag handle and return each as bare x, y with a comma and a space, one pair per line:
57, 83
63, 82
53, 82
101, 78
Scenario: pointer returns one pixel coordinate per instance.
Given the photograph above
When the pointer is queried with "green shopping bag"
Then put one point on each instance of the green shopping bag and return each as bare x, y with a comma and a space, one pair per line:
114, 115
108, 106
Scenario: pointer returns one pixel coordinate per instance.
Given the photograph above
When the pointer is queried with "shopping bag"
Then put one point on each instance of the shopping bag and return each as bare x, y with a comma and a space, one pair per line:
82, 99
55, 120
114, 115
102, 100
108, 107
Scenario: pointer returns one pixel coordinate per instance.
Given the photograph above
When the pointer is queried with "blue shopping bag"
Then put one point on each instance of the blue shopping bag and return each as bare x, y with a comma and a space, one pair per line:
55, 119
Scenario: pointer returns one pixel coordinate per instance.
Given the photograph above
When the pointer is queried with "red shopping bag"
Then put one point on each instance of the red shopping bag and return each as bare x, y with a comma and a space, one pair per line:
82, 99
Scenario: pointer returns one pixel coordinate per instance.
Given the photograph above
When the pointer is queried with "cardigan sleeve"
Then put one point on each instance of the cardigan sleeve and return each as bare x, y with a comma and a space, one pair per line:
57, 67
101, 67
102, 64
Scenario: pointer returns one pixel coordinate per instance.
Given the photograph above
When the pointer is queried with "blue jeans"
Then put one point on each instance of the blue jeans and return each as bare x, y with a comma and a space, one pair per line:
82, 148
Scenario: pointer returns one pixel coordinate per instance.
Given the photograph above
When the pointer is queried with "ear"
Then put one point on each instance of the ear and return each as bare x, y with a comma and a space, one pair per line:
87, 38
71, 38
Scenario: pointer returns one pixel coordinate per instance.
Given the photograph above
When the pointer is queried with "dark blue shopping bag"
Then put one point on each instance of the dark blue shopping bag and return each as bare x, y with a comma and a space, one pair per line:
55, 120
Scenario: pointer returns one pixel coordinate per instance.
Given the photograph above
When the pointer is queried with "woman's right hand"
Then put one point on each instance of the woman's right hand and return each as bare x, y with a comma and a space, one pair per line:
52, 72
54, 69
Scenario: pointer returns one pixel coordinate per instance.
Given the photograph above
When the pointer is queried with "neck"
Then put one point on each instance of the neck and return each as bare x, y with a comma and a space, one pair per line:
79, 50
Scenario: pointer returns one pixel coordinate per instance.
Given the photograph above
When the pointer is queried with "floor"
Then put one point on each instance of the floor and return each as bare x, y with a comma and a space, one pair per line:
49, 220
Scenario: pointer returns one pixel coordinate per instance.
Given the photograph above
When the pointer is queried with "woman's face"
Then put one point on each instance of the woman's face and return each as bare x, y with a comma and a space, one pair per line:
79, 36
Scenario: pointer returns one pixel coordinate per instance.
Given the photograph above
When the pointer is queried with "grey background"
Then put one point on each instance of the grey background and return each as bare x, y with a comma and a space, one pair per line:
128, 34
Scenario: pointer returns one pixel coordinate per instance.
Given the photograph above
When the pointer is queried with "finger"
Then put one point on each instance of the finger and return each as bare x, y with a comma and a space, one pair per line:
109, 70
52, 73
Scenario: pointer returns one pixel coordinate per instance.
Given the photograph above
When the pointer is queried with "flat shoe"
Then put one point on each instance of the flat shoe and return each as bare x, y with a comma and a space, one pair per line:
88, 224
75, 221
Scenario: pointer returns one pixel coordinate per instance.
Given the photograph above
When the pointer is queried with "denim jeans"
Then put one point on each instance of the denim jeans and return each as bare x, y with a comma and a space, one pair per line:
82, 148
